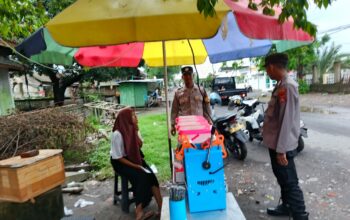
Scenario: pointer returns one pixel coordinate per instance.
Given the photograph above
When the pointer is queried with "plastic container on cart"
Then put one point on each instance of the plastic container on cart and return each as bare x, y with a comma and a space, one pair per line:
190, 118
177, 210
196, 128
206, 189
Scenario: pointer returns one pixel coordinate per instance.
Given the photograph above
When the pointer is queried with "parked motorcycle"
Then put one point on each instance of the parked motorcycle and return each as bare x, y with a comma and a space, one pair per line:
235, 138
253, 119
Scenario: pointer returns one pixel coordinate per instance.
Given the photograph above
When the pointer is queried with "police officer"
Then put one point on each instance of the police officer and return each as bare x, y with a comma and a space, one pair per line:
189, 100
281, 132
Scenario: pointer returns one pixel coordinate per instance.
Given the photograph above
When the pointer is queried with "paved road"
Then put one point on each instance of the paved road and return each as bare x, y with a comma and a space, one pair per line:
324, 170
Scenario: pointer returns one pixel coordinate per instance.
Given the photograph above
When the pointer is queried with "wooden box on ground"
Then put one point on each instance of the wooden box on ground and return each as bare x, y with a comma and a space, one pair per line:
22, 179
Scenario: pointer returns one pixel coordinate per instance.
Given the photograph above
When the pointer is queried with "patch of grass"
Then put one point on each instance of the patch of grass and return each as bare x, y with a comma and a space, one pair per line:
155, 147
99, 158
74, 156
95, 122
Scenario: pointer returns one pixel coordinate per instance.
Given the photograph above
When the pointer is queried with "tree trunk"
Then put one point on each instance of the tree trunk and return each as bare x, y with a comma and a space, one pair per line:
315, 77
60, 84
337, 71
58, 94
58, 89
300, 69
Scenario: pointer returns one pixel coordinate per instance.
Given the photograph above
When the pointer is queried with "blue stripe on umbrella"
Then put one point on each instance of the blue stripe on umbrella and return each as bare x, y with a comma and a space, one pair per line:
235, 45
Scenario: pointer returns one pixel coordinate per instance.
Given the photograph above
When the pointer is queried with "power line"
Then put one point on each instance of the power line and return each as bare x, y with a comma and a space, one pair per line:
335, 30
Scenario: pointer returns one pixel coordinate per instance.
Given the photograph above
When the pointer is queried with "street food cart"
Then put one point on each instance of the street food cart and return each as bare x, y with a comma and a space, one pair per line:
198, 165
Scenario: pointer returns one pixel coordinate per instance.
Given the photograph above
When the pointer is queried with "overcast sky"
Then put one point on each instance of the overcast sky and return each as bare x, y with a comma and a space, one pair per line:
337, 14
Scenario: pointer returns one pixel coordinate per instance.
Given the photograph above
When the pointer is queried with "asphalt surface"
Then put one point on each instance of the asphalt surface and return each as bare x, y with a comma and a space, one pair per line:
323, 168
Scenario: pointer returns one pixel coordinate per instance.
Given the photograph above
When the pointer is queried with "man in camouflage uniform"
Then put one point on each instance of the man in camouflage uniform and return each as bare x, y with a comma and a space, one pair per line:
280, 134
189, 100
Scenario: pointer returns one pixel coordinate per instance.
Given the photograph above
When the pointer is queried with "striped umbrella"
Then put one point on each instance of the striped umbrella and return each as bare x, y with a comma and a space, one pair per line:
228, 44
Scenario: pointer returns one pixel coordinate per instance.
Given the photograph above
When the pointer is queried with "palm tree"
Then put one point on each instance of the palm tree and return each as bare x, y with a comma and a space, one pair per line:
331, 58
326, 59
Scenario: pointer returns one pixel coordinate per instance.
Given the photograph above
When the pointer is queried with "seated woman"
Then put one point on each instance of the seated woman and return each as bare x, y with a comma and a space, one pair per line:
127, 160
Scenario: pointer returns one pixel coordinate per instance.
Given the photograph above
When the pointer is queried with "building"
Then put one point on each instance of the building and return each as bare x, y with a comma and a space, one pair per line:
7, 104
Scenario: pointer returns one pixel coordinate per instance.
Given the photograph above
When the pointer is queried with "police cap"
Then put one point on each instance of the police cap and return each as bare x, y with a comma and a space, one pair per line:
187, 70
277, 58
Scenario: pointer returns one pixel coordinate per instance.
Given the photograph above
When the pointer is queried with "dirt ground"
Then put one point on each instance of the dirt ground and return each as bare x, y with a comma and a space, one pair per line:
250, 181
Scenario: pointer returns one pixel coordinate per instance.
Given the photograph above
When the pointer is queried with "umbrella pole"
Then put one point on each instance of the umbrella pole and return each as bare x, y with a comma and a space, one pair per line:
167, 105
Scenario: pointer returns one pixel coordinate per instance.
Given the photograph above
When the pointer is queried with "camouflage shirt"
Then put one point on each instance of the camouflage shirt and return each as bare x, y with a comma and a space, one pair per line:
190, 102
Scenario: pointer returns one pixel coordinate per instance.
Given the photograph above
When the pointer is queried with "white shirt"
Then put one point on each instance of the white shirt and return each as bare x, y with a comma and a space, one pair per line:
117, 145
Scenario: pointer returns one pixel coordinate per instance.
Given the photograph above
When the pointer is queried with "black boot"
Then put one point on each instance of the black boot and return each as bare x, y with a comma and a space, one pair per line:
280, 210
301, 216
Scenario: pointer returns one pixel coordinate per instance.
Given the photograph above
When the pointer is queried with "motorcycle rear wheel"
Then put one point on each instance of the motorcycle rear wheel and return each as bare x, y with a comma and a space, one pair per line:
237, 148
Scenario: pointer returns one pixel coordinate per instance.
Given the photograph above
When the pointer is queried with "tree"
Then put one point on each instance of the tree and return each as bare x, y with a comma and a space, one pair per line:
158, 72
19, 19
60, 81
236, 65
302, 58
326, 59
208, 81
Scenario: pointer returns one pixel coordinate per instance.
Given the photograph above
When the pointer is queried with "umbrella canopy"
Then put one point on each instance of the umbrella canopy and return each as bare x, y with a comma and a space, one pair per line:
41, 48
107, 22
225, 45
228, 44
110, 22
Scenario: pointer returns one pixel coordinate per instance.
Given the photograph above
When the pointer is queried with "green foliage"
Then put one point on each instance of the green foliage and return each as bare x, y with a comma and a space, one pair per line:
19, 19
303, 87
91, 96
207, 7
237, 64
73, 156
102, 74
295, 9
53, 7
94, 121
158, 72
326, 58
208, 81
155, 147
99, 159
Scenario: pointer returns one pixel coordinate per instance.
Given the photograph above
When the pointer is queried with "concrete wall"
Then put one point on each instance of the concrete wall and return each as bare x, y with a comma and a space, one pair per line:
331, 88
6, 99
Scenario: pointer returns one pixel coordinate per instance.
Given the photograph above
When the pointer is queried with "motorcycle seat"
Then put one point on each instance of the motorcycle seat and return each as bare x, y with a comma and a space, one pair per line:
225, 118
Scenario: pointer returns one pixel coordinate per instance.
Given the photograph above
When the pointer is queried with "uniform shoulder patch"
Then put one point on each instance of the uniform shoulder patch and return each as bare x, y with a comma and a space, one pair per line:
282, 95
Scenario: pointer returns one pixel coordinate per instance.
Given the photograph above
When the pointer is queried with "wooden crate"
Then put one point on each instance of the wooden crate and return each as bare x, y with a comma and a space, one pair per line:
22, 179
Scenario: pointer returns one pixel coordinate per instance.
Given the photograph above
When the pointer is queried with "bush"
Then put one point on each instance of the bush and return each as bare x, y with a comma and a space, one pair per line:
303, 87
99, 159
51, 128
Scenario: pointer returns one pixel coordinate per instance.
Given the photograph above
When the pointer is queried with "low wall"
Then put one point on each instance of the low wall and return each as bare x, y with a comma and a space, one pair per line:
330, 88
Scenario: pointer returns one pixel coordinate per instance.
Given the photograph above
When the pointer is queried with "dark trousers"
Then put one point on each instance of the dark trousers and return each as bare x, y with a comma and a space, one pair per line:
287, 178
141, 181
